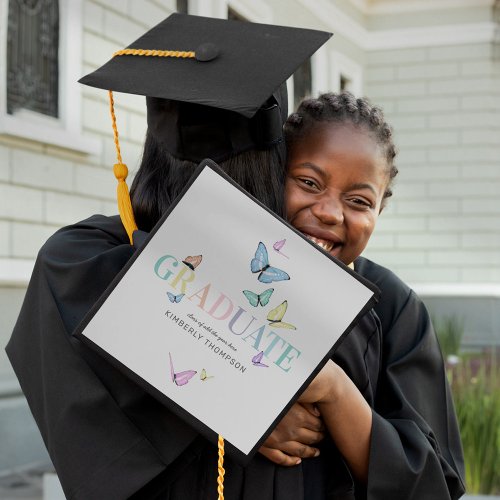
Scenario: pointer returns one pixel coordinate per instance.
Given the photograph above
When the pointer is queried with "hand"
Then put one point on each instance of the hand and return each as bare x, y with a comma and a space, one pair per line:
292, 438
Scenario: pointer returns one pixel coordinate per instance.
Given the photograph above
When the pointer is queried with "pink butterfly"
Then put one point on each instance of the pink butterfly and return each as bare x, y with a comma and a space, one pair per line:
180, 378
278, 246
256, 360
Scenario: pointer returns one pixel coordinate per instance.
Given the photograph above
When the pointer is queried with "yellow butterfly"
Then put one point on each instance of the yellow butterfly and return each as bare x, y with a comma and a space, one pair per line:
204, 376
276, 315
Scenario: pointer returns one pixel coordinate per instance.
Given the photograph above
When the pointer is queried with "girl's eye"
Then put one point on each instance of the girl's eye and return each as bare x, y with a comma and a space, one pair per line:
308, 182
361, 202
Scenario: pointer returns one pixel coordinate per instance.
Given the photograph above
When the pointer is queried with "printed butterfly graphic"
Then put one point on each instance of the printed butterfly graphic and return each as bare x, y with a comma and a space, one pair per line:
256, 299
276, 315
175, 298
260, 264
204, 376
180, 378
278, 246
257, 360
193, 261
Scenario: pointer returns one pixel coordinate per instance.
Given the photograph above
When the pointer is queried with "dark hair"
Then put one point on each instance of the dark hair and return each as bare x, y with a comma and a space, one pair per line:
344, 108
161, 177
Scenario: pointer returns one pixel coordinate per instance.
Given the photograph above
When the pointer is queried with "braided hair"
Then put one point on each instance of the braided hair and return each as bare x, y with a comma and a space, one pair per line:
344, 108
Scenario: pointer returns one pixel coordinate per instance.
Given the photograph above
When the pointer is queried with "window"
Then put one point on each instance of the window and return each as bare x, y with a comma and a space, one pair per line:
302, 83
32, 56
344, 83
182, 6
40, 99
346, 74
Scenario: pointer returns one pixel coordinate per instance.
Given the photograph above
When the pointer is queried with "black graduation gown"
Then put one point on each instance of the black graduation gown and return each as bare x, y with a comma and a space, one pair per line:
109, 439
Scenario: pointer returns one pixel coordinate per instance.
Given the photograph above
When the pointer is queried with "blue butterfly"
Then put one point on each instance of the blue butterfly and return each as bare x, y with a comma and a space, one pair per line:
260, 264
175, 298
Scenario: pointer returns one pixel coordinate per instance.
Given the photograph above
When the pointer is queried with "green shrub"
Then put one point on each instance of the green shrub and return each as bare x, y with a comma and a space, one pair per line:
449, 331
476, 389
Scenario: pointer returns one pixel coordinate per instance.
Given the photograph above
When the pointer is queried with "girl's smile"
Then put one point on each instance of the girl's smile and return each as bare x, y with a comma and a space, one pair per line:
337, 177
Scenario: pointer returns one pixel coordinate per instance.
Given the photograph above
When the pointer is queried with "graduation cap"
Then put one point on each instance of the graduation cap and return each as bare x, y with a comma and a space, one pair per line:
214, 87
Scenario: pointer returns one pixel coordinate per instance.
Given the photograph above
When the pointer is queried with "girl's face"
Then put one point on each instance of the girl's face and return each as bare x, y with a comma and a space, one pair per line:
335, 184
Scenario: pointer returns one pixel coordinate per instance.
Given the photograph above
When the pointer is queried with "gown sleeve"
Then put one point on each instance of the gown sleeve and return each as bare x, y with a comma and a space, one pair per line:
416, 451
105, 436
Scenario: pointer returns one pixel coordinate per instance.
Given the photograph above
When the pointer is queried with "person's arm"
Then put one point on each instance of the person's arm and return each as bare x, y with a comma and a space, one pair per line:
347, 416
105, 436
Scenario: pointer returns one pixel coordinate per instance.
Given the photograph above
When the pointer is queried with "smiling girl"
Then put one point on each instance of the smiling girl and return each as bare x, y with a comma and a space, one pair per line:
388, 426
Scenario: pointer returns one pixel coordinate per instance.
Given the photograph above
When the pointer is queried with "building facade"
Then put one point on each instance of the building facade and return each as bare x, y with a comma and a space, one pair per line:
433, 65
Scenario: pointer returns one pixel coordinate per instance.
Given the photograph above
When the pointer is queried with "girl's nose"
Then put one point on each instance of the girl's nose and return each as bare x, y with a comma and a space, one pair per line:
328, 211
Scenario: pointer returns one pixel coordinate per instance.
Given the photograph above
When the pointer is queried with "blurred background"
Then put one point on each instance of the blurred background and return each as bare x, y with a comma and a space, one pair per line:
432, 65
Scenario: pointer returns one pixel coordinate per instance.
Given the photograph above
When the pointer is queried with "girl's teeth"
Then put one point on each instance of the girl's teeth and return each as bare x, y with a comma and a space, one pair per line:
325, 245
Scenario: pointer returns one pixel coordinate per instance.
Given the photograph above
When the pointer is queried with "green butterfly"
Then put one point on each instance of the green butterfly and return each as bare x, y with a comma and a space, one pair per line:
255, 299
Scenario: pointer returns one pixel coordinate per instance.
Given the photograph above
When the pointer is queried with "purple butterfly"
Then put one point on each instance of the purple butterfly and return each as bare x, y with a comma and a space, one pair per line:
278, 246
256, 360
180, 378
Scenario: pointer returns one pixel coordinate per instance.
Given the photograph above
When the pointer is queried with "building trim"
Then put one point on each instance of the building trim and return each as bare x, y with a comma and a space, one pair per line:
46, 132
337, 20
466, 290
398, 7
431, 36
255, 11
453, 34
15, 272
320, 71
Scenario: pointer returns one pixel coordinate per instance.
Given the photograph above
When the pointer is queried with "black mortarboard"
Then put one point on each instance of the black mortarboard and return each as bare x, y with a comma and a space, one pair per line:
216, 100
214, 87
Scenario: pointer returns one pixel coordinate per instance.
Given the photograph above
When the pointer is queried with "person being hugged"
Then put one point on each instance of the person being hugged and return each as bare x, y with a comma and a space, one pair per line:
390, 430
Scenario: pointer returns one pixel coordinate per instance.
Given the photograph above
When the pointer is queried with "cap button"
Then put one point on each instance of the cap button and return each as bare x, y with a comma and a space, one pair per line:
206, 52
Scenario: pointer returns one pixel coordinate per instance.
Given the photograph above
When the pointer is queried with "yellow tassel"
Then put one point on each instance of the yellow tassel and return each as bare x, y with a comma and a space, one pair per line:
220, 467
124, 204
121, 171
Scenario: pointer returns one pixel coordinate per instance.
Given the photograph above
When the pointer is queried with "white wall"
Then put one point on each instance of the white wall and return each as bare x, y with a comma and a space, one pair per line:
443, 224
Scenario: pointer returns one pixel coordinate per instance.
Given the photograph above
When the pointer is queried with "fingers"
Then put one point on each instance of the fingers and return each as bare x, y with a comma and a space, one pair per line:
290, 453
303, 436
312, 409
297, 449
278, 457
304, 416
